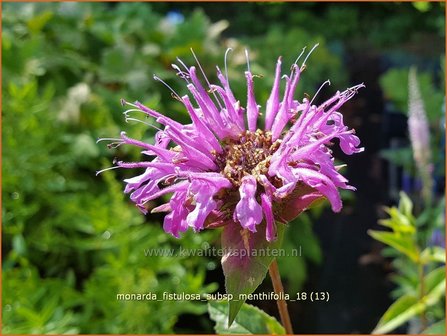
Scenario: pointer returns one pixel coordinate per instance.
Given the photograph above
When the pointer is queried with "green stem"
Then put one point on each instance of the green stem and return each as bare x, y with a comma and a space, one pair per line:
422, 294
282, 304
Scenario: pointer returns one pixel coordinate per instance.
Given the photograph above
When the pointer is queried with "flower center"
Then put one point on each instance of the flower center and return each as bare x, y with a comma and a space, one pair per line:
248, 155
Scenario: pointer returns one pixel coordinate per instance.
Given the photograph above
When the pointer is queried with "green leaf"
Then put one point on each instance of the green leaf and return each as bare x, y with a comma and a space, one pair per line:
402, 243
434, 283
19, 244
38, 22
250, 320
399, 312
405, 205
437, 328
433, 253
408, 305
397, 225
246, 261
401, 219
422, 6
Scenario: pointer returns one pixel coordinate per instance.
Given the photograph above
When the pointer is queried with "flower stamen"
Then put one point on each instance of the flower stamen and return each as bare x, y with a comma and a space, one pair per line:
247, 155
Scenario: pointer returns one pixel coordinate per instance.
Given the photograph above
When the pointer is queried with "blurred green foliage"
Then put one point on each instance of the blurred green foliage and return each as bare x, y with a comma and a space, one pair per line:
378, 25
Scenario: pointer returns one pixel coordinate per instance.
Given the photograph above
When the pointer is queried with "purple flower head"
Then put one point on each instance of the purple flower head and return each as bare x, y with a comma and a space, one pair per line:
228, 165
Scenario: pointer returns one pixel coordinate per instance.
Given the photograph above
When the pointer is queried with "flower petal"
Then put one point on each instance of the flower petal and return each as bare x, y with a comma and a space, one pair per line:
175, 221
201, 127
270, 231
203, 188
204, 206
322, 183
252, 107
273, 101
248, 211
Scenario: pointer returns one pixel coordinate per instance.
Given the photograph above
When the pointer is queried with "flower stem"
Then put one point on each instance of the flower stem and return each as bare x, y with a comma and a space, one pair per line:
282, 304
422, 294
